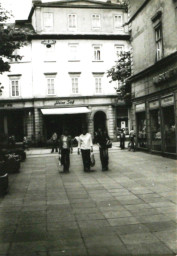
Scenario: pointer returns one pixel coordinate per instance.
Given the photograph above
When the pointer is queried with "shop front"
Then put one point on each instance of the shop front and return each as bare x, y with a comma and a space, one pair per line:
57, 119
141, 124
155, 125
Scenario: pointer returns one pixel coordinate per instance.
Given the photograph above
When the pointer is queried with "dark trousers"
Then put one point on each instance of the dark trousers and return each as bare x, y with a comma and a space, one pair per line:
54, 146
65, 159
86, 159
122, 143
104, 158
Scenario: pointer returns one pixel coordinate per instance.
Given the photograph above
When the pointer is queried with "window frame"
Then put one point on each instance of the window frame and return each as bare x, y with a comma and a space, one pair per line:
48, 27
75, 21
159, 41
74, 88
50, 78
73, 56
116, 46
95, 26
11, 87
97, 56
118, 27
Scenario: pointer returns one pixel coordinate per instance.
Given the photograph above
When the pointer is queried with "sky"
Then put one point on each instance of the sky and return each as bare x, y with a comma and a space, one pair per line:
19, 8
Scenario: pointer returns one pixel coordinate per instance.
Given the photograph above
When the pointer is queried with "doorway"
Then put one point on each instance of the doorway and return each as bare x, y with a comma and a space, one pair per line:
99, 120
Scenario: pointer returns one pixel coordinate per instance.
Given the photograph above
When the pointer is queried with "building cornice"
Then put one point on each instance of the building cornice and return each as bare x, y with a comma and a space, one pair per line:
155, 67
80, 36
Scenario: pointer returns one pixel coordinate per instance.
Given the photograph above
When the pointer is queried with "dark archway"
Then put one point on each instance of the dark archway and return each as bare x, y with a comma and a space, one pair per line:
99, 120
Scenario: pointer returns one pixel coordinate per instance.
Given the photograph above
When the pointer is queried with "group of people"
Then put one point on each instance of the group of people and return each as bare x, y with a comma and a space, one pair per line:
85, 148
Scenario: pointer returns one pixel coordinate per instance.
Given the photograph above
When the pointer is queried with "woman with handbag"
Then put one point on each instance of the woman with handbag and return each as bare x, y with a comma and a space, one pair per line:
104, 143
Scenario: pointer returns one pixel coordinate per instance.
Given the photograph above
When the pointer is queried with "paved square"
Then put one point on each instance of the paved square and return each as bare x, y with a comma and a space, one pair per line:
129, 210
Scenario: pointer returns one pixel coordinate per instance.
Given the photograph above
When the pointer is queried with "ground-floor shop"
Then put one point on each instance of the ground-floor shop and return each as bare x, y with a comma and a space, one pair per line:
39, 119
156, 123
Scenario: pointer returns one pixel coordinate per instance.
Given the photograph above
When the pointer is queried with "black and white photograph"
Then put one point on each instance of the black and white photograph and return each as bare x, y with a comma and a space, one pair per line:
88, 127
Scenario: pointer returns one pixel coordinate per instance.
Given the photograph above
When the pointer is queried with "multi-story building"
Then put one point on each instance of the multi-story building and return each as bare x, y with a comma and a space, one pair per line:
153, 29
61, 81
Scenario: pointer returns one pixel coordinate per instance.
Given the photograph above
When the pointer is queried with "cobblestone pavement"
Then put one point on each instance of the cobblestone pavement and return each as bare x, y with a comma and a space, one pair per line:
129, 210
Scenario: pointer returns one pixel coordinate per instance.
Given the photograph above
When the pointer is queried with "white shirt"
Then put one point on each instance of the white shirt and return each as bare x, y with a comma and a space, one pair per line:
65, 142
85, 141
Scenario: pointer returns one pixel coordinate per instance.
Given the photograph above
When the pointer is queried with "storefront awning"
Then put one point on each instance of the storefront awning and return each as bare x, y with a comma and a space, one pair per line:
65, 111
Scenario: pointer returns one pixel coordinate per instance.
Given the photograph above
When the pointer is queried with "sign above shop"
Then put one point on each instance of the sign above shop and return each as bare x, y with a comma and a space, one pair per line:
167, 101
140, 107
172, 73
154, 104
6, 105
64, 102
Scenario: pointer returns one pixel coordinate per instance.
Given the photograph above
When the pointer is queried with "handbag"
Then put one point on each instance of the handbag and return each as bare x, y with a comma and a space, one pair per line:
92, 159
109, 144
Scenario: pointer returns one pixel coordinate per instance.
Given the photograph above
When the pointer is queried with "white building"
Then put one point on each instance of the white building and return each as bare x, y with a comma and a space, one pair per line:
61, 81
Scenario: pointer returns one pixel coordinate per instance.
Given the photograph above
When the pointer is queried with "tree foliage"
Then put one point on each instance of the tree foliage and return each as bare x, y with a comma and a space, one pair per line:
10, 40
120, 72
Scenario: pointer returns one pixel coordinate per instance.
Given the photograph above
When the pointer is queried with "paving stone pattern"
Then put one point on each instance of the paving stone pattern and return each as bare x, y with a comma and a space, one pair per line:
129, 210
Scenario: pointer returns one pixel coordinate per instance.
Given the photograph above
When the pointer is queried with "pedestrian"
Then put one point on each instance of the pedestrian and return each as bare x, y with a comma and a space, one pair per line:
25, 143
103, 139
122, 139
85, 145
54, 142
65, 148
132, 139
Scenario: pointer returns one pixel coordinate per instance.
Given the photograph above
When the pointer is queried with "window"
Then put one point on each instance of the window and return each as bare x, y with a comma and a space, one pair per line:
118, 21
50, 86
48, 20
96, 23
118, 50
15, 90
50, 53
73, 52
98, 85
159, 43
97, 53
75, 85
72, 21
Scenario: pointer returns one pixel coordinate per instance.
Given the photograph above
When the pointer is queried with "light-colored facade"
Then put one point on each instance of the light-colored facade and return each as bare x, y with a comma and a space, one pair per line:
154, 82
64, 69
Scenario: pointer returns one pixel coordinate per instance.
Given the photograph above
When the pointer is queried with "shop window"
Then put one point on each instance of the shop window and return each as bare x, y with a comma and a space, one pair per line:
118, 21
97, 53
159, 42
48, 21
15, 88
156, 138
141, 130
96, 21
169, 129
72, 21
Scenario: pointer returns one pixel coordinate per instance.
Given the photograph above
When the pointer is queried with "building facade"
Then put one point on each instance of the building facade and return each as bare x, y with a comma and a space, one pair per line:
153, 29
61, 81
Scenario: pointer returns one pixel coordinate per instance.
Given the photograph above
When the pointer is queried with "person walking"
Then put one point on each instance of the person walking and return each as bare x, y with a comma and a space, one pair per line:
132, 140
102, 139
85, 145
54, 142
122, 139
65, 148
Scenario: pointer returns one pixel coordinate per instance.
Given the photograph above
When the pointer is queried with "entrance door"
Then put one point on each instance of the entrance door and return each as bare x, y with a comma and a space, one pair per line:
99, 120
15, 125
